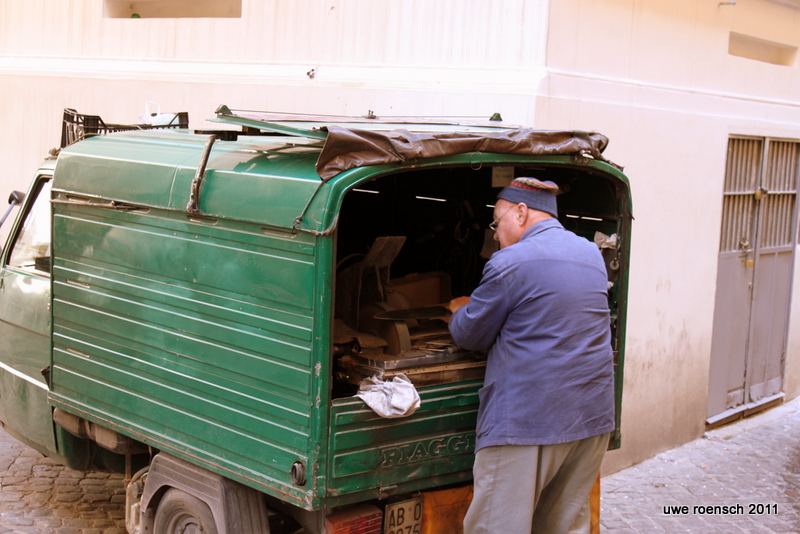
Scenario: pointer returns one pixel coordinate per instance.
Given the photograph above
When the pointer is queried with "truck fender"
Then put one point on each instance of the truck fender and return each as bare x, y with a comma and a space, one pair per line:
237, 509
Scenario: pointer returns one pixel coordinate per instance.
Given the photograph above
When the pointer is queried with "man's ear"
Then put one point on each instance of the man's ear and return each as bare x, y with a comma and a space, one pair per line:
522, 213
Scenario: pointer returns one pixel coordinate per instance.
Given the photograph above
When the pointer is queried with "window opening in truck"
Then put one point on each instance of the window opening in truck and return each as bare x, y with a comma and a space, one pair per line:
418, 239
31, 247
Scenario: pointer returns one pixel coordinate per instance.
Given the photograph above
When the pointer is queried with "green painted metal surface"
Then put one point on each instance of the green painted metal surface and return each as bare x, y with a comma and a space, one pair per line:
267, 181
171, 331
25, 332
368, 454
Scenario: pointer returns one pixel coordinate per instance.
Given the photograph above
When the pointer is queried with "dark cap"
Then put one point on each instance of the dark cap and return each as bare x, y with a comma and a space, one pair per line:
535, 194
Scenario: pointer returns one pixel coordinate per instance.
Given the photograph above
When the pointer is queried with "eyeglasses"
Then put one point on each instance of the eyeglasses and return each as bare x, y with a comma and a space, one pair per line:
494, 223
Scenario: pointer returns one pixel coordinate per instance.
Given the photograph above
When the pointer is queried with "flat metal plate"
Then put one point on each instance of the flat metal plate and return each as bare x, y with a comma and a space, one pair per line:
404, 517
427, 312
314, 126
412, 358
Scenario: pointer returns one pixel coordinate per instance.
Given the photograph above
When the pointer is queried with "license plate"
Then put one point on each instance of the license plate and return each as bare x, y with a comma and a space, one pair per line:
403, 517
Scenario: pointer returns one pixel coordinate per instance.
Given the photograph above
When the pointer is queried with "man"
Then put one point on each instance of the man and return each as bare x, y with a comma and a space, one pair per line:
547, 404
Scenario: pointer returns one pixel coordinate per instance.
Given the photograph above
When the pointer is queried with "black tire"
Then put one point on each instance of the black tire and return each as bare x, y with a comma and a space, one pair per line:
181, 513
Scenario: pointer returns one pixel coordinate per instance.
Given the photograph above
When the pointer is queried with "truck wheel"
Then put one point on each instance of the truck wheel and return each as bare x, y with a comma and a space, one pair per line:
181, 513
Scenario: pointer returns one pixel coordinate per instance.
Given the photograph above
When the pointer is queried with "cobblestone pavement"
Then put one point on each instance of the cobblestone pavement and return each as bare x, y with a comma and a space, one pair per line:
751, 467
38, 495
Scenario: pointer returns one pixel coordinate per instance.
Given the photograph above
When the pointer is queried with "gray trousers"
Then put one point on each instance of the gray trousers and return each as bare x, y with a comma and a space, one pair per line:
536, 489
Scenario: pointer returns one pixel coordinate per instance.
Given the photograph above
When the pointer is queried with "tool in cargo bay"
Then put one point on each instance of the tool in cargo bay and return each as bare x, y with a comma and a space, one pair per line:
426, 312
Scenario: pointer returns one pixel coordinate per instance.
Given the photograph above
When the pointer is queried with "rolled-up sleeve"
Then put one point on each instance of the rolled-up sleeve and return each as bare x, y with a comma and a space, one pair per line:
477, 325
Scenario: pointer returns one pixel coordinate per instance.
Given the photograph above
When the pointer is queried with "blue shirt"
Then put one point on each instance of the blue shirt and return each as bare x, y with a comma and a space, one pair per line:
542, 310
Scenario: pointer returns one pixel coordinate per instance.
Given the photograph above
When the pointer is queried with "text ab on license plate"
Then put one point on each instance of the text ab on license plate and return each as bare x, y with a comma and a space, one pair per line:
403, 517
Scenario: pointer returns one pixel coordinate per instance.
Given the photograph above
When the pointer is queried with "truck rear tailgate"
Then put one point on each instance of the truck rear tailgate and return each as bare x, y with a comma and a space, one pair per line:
371, 455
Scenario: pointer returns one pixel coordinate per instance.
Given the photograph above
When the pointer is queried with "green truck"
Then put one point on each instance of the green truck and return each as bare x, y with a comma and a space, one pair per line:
198, 310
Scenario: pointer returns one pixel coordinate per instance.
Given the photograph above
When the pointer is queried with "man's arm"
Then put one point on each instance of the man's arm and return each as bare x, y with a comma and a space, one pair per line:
477, 320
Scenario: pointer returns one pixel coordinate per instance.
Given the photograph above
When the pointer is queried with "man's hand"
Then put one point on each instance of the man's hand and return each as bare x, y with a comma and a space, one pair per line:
457, 303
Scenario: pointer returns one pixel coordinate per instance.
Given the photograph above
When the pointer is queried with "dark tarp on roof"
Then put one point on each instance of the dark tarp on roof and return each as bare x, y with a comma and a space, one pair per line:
347, 149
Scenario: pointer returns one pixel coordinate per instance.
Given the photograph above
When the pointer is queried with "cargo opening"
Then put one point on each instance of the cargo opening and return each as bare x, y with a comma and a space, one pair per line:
408, 242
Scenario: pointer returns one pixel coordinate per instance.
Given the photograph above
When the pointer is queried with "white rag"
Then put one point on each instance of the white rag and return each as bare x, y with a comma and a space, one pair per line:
398, 398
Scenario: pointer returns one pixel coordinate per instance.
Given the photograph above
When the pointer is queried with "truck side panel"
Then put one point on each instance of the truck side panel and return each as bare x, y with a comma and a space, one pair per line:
192, 336
436, 443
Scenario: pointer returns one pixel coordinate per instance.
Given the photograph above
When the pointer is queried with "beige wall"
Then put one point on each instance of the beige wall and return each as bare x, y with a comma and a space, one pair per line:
409, 57
656, 77
417, 33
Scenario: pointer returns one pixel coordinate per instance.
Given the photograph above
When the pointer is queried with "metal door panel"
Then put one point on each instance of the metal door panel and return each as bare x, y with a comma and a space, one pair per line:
769, 320
734, 276
25, 335
753, 283
728, 352
773, 271
25, 351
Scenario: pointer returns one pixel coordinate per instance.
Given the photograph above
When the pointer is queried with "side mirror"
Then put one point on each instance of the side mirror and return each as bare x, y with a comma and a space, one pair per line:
15, 198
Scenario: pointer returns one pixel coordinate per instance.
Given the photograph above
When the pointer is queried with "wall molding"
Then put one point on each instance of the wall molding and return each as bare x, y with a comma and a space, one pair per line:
465, 79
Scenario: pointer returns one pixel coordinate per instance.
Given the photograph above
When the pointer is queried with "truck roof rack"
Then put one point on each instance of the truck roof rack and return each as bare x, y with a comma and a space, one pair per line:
315, 126
77, 126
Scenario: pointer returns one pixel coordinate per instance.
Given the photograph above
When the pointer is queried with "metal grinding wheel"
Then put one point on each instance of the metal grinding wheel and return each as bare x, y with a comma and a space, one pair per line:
394, 332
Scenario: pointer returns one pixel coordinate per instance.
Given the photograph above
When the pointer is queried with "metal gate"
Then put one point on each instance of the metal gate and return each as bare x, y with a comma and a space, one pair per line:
754, 276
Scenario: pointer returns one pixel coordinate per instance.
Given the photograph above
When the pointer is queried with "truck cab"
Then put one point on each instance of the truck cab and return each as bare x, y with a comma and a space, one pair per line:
199, 310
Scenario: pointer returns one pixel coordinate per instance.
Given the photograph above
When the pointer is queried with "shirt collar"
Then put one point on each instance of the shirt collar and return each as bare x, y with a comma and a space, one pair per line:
540, 227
